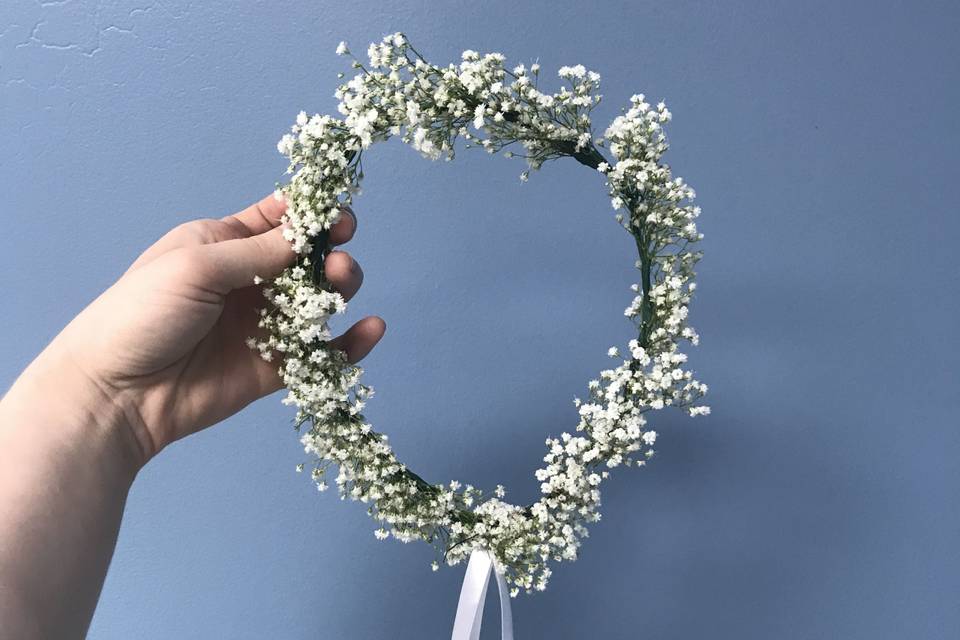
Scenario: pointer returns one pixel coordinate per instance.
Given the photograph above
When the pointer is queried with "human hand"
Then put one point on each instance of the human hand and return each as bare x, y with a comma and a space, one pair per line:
166, 343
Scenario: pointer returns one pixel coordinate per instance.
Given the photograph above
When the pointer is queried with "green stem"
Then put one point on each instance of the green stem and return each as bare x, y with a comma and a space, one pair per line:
646, 307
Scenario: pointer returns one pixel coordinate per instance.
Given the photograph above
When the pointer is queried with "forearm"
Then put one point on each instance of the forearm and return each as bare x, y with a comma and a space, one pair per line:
67, 461
160, 355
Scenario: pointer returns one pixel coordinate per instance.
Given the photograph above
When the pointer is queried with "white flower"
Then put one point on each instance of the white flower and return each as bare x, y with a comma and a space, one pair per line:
342, 48
578, 71
478, 116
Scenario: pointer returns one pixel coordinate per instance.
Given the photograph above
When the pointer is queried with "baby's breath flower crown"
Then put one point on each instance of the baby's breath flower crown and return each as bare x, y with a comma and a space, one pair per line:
399, 93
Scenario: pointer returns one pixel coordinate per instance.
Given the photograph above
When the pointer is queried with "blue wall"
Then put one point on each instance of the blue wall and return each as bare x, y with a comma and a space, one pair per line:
820, 498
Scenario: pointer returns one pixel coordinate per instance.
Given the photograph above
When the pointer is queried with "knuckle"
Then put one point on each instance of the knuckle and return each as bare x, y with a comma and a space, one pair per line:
188, 260
201, 231
261, 246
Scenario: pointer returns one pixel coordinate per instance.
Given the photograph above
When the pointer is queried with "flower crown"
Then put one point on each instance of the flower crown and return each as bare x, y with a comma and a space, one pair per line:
399, 93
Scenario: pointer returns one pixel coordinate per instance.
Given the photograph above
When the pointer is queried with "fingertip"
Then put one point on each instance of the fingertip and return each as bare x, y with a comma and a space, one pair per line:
361, 338
343, 272
370, 330
380, 324
345, 228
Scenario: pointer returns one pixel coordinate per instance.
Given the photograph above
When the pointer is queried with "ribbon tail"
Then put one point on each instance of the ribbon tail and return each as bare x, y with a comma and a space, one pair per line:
473, 595
506, 613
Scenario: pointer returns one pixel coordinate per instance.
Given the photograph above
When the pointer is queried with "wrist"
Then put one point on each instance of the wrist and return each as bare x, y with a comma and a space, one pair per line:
57, 402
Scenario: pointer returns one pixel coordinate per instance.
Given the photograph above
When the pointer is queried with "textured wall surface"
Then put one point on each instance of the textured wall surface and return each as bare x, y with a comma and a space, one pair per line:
820, 498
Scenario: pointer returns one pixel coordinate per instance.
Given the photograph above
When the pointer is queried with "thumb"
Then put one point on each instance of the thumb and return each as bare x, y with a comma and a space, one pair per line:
236, 262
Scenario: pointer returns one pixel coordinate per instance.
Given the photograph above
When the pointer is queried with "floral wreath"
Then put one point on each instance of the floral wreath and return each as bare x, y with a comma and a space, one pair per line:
491, 107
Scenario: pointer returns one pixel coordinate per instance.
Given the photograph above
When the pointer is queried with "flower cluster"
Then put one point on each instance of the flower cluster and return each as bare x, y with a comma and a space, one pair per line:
398, 93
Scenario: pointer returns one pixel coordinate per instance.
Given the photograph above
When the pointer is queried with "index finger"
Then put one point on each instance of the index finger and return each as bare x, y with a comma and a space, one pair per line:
266, 214
261, 216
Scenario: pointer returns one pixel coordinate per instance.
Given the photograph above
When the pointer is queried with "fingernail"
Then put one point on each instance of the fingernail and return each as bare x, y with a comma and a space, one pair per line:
349, 209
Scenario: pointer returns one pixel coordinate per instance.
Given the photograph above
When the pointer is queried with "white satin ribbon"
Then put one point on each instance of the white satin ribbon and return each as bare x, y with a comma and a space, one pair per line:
466, 626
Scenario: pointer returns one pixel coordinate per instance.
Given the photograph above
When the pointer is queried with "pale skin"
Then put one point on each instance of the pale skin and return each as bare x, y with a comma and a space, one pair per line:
158, 356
